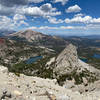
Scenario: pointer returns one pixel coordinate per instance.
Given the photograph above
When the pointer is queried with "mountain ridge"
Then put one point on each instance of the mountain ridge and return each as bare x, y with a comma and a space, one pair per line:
31, 35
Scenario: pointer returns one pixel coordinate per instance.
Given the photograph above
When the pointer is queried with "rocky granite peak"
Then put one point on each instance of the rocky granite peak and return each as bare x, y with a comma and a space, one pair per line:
69, 67
67, 60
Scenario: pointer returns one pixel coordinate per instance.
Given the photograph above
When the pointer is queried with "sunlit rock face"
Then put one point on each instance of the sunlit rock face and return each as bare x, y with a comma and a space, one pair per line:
67, 60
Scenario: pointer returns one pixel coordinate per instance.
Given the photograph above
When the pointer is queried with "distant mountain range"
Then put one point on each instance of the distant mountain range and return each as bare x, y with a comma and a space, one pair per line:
5, 32
92, 36
31, 35
86, 36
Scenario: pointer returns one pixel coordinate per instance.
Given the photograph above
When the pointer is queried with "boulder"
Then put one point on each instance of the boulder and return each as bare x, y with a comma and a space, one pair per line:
17, 93
63, 97
3, 69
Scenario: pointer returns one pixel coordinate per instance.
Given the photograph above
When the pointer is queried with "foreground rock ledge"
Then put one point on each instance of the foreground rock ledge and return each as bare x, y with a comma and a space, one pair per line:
24, 87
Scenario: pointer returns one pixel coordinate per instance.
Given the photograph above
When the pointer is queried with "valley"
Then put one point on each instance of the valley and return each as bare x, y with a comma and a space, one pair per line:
28, 52
23, 54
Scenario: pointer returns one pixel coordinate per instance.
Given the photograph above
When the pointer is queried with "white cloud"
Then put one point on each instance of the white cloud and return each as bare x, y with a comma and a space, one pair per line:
85, 27
74, 8
22, 22
47, 27
79, 15
6, 22
54, 20
44, 11
19, 20
82, 19
18, 14
67, 27
43, 28
33, 11
12, 23
19, 17
58, 28
11, 7
62, 1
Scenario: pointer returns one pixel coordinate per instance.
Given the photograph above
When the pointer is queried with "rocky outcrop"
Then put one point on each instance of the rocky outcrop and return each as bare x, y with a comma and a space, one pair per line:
69, 67
67, 60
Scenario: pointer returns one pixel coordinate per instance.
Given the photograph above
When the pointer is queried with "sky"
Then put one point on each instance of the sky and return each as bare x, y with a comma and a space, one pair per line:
55, 17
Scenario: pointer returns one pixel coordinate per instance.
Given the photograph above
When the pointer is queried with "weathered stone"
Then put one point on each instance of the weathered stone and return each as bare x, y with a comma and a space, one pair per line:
31, 98
63, 97
3, 69
17, 93
85, 81
50, 95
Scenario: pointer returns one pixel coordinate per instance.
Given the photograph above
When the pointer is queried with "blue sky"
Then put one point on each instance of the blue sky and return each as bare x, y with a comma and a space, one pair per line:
58, 17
